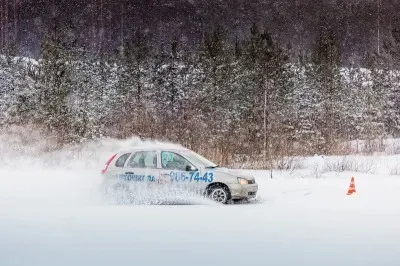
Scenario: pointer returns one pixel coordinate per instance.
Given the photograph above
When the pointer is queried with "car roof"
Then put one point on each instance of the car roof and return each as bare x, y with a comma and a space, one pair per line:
155, 147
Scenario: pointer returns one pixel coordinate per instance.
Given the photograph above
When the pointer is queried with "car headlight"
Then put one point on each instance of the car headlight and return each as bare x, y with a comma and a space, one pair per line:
243, 181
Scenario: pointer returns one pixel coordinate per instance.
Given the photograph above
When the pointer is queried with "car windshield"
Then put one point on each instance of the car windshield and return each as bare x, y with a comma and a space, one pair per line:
200, 159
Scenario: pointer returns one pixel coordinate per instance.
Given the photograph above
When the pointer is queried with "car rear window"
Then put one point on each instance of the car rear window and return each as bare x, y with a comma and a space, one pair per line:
122, 159
143, 159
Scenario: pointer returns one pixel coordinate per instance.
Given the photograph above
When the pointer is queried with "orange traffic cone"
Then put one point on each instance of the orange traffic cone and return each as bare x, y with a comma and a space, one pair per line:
352, 187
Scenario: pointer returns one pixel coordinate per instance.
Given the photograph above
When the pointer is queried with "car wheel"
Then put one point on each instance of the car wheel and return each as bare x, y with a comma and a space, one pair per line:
219, 194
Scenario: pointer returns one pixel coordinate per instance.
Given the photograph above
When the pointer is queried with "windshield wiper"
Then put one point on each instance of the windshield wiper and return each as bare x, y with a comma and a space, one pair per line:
212, 167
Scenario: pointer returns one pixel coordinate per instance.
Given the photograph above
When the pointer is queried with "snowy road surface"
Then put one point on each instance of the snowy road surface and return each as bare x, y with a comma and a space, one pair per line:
53, 217
51, 214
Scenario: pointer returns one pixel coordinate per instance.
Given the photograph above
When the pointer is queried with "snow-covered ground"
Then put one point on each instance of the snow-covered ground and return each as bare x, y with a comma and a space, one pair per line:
52, 214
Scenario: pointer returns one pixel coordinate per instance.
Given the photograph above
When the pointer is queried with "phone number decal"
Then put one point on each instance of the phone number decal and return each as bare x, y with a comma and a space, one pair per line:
208, 177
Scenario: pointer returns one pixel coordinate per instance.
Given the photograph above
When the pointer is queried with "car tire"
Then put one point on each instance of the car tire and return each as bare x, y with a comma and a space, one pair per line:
219, 194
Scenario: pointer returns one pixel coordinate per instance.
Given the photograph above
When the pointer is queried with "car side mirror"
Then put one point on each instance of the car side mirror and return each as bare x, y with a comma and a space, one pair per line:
190, 168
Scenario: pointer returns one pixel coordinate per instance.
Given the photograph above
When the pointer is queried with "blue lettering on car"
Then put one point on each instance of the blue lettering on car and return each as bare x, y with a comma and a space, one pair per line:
208, 177
136, 178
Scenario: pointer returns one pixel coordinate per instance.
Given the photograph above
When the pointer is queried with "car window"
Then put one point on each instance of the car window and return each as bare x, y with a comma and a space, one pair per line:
174, 161
143, 159
122, 159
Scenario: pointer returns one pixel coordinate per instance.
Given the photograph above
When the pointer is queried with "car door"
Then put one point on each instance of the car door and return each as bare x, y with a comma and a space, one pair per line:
141, 167
179, 170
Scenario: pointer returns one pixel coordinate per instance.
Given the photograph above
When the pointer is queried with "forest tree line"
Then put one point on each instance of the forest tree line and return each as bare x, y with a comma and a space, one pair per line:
227, 99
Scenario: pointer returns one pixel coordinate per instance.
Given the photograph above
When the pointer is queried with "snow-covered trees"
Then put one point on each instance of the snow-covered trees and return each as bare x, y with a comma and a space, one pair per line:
326, 63
240, 98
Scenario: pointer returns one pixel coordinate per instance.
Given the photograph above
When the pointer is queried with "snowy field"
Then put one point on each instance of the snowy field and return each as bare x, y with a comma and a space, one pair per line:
51, 213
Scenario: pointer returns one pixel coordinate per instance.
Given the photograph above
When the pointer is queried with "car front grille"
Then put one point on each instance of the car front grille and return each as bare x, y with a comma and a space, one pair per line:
252, 193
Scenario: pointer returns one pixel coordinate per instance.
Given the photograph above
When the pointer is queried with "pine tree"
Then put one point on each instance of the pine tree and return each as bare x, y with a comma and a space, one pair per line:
390, 58
307, 109
55, 72
214, 97
133, 81
172, 83
326, 59
265, 62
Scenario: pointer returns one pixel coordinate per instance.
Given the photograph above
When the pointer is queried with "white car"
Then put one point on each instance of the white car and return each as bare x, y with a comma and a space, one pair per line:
160, 166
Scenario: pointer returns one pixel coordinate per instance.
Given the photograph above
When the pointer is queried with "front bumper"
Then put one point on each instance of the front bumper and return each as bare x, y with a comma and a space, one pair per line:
239, 191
